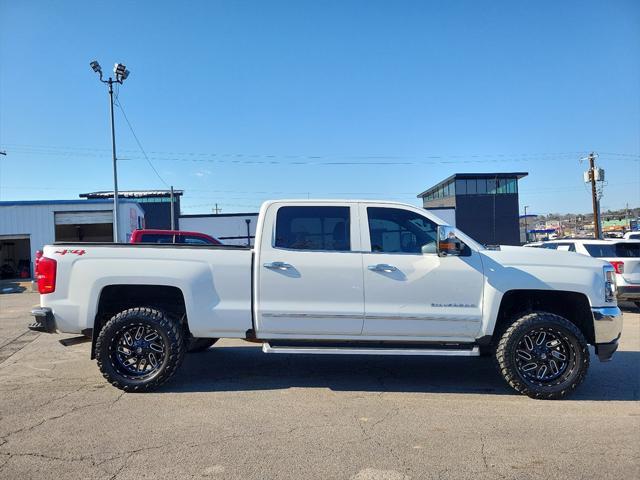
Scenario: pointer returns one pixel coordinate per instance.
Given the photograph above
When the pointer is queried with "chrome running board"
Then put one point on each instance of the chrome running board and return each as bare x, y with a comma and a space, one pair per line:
310, 350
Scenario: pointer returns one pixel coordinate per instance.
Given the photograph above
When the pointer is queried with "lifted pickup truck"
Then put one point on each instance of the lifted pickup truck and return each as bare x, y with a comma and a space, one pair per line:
336, 277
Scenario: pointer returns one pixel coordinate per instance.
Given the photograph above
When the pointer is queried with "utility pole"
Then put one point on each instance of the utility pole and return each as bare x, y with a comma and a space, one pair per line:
173, 219
121, 74
216, 210
594, 196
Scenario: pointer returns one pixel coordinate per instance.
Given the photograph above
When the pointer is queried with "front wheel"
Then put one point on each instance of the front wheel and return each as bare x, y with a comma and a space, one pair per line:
139, 349
543, 355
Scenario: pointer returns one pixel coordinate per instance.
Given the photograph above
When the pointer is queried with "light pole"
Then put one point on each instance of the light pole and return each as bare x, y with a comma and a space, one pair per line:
121, 74
526, 234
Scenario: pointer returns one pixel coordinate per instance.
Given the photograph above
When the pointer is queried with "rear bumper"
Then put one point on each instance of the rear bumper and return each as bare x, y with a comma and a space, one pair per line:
43, 320
607, 324
629, 292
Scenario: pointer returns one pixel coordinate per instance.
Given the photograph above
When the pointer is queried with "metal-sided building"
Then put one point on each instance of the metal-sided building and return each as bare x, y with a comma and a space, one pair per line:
229, 228
483, 205
26, 226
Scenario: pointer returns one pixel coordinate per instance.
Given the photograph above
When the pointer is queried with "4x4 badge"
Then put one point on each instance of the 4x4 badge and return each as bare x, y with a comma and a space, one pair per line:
75, 252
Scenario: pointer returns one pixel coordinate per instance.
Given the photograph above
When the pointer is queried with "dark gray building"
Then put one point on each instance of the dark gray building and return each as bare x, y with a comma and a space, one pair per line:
155, 203
485, 205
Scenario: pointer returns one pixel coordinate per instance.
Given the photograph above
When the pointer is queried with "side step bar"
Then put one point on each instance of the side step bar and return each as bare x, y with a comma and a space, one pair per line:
310, 350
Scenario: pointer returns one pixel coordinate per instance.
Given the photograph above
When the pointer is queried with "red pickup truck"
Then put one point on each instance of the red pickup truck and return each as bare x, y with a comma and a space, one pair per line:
172, 236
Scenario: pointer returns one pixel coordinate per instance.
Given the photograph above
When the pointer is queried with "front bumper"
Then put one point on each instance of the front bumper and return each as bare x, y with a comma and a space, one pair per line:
607, 325
43, 320
628, 292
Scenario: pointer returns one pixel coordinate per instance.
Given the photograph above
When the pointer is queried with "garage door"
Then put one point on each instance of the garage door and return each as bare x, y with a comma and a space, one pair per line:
84, 218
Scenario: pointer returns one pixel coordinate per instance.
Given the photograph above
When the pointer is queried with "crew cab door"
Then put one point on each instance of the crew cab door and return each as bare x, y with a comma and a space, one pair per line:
308, 272
411, 291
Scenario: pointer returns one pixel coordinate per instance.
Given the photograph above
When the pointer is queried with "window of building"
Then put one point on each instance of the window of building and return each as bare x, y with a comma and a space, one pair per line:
471, 186
481, 186
313, 228
394, 230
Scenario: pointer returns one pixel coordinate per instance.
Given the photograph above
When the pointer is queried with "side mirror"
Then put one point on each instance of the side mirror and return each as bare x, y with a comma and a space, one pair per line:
448, 243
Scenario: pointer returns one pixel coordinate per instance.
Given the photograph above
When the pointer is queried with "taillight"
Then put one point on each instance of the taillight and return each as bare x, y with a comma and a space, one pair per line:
618, 266
47, 275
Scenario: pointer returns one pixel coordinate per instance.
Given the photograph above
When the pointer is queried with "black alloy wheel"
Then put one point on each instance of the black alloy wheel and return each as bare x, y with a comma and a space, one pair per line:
137, 350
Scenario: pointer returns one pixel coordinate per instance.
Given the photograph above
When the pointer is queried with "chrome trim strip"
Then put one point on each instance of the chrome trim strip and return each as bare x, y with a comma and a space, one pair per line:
372, 317
309, 315
423, 317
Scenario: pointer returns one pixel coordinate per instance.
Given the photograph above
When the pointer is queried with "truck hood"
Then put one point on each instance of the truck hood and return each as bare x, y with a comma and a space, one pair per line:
542, 269
527, 256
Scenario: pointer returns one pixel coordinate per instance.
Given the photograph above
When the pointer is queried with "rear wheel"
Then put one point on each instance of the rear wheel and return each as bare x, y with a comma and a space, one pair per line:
543, 355
139, 349
195, 345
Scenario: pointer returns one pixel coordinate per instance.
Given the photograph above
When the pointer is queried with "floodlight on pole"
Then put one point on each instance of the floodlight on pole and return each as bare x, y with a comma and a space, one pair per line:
121, 73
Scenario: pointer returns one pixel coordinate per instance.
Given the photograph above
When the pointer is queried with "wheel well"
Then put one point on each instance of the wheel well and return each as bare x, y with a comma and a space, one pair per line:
570, 305
116, 298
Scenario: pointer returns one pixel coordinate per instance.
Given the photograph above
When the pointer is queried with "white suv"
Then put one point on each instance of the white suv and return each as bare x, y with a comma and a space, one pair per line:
623, 255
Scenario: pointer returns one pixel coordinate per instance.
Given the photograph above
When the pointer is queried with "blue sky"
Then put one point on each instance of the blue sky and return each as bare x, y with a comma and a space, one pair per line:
237, 102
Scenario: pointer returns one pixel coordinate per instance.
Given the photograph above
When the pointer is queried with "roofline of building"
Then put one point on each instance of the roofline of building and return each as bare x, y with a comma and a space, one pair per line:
461, 176
10, 203
215, 215
133, 194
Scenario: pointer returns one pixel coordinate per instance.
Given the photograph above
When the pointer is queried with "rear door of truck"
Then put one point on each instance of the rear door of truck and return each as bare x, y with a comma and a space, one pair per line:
309, 271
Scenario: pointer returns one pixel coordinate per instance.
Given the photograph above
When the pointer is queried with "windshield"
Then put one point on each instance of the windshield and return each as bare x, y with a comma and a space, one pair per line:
623, 250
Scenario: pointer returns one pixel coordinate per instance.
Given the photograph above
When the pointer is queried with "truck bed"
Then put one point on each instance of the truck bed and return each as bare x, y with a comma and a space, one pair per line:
214, 280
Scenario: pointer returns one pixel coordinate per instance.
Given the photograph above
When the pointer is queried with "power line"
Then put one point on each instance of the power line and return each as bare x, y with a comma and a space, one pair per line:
119, 105
310, 159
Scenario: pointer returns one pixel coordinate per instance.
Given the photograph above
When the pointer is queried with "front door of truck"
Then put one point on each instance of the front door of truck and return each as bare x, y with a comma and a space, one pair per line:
411, 291
309, 272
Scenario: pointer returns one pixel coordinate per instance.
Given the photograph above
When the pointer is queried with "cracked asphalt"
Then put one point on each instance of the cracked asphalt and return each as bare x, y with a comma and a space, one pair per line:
233, 412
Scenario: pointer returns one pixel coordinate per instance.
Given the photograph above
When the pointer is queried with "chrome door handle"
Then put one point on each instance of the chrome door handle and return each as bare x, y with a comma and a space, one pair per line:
382, 267
278, 266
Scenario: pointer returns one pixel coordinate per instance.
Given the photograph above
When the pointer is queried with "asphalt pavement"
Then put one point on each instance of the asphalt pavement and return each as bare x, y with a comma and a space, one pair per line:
234, 412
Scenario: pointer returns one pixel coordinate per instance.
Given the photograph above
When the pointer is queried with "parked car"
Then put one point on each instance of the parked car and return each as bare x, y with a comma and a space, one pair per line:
623, 255
336, 277
172, 236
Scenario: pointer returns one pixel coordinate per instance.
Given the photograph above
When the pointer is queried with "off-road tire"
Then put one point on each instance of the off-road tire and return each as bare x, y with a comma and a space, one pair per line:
576, 346
196, 345
170, 332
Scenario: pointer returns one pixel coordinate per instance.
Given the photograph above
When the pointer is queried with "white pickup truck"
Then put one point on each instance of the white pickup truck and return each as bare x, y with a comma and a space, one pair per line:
335, 277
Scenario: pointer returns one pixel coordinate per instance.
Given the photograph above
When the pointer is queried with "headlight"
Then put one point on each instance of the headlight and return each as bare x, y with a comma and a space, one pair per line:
609, 284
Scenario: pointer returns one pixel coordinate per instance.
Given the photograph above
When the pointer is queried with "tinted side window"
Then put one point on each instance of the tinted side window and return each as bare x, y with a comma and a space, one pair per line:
191, 240
313, 228
628, 250
157, 238
393, 230
600, 249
